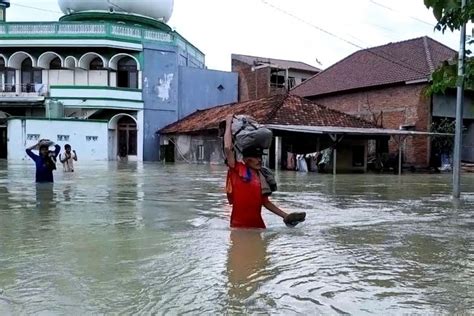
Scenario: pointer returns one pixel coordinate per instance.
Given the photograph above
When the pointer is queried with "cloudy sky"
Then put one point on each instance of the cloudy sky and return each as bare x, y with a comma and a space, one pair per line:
318, 32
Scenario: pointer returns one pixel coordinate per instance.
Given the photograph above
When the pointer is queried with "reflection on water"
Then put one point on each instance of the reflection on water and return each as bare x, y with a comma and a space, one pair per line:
149, 238
45, 196
246, 265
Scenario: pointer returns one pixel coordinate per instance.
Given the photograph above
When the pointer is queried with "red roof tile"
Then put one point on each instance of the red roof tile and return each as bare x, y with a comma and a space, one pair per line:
280, 109
392, 63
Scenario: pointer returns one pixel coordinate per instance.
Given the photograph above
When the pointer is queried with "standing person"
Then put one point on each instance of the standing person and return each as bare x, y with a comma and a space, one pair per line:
246, 189
68, 158
44, 161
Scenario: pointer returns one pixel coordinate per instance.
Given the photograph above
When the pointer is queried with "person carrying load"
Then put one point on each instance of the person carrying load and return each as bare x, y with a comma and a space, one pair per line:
248, 183
46, 160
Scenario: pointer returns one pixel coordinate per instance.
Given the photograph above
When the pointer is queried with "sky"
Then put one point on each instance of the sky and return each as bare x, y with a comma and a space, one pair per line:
318, 32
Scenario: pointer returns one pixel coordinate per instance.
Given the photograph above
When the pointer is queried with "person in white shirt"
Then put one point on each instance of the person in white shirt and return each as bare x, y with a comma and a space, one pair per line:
67, 158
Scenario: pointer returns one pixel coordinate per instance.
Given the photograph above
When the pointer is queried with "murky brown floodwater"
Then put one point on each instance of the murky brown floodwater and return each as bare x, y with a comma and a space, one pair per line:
155, 239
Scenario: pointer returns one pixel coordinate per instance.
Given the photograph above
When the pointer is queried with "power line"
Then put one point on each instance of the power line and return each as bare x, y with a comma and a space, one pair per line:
369, 50
399, 12
34, 8
310, 24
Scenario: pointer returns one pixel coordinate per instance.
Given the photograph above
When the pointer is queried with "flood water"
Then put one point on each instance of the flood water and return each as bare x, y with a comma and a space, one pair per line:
133, 238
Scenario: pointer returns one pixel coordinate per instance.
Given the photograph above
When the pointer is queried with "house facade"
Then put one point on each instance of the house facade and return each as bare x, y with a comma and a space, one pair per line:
387, 86
261, 77
100, 63
197, 138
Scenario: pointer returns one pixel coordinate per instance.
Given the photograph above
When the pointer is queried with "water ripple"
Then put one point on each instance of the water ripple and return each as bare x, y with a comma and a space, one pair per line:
154, 239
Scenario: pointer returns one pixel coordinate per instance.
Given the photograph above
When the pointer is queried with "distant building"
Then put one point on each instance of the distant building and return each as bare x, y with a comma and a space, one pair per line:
260, 77
120, 70
299, 126
386, 85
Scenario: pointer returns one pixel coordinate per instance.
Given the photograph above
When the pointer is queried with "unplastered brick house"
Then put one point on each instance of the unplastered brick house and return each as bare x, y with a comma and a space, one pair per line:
386, 85
261, 77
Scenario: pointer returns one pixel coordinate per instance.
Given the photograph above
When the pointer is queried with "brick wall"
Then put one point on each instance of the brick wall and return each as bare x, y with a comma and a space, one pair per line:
252, 84
391, 107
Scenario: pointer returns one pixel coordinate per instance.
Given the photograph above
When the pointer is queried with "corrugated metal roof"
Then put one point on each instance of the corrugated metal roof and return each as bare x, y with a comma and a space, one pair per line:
349, 130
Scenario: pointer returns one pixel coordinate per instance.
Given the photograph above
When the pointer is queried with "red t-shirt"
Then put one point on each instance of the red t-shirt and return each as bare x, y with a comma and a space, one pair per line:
245, 195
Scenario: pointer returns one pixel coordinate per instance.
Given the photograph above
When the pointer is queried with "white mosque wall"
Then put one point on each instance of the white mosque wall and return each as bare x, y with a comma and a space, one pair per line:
89, 139
98, 78
81, 77
61, 77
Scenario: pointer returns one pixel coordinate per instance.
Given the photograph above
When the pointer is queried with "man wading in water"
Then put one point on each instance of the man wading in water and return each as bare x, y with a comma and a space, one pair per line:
68, 158
45, 163
246, 190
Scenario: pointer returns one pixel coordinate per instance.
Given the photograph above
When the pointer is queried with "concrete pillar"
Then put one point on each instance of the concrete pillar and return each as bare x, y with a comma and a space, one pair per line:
112, 79
399, 156
335, 139
45, 79
140, 134
278, 153
17, 81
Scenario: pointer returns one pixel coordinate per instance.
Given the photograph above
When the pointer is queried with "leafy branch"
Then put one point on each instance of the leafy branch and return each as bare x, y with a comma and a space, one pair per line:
450, 15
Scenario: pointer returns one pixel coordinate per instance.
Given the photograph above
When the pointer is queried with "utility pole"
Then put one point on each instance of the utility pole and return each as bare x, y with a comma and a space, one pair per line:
459, 112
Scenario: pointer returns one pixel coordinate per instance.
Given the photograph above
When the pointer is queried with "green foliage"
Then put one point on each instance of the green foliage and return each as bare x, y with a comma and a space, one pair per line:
443, 143
446, 77
450, 16
449, 13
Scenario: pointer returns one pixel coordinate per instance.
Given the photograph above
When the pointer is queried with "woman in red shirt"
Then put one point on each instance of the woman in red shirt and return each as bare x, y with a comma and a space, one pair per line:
244, 180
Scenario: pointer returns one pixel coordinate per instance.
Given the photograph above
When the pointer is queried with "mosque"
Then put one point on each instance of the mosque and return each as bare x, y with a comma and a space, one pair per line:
104, 78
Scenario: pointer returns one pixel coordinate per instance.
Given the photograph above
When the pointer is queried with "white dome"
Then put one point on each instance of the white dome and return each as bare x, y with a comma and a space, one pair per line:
157, 9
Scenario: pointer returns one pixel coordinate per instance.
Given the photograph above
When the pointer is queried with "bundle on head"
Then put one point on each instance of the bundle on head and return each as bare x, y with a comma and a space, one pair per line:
247, 133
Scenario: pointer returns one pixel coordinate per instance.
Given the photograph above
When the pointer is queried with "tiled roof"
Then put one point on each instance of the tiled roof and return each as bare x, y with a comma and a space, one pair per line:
279, 109
281, 63
392, 63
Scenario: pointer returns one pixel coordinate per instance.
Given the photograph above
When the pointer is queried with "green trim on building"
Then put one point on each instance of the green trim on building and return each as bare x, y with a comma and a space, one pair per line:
94, 88
94, 98
54, 119
78, 27
91, 16
101, 107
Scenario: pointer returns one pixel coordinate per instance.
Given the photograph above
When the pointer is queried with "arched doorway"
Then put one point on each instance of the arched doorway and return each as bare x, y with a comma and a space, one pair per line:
127, 73
127, 137
30, 76
7, 77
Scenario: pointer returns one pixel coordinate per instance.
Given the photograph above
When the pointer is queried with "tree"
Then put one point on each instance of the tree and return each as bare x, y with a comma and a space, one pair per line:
442, 143
450, 16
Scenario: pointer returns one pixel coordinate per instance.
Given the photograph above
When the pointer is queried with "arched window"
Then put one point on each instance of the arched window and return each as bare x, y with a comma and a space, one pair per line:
127, 73
96, 64
7, 77
55, 63
29, 76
